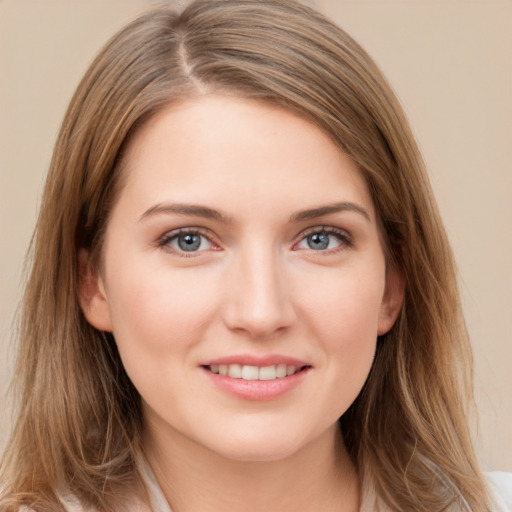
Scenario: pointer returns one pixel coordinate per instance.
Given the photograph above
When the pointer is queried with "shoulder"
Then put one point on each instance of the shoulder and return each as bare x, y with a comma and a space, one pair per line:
133, 503
500, 484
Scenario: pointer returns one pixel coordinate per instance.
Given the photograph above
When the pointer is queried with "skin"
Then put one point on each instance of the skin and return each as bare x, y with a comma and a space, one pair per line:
255, 286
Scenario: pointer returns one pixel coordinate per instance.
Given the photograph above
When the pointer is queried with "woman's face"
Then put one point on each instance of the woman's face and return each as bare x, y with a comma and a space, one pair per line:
243, 278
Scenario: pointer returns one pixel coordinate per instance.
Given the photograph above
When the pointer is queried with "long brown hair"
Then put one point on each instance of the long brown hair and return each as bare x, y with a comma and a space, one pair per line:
79, 421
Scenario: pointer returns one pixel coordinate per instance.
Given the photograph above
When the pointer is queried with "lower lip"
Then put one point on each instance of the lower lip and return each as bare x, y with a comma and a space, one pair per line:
257, 390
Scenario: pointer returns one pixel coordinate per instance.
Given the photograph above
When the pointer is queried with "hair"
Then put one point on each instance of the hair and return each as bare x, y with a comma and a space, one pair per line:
79, 421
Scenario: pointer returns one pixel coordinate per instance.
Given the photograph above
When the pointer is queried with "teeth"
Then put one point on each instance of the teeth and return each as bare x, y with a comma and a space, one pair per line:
281, 370
235, 371
250, 373
290, 370
268, 373
246, 372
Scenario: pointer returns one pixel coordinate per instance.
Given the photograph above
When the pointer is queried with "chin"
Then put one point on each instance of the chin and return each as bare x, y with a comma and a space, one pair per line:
262, 446
257, 453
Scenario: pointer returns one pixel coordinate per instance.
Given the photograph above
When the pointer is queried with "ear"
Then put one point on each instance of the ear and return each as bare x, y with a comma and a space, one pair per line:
91, 294
391, 300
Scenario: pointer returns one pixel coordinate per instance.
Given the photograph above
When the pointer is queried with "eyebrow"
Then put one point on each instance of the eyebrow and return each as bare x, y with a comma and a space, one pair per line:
185, 209
320, 211
209, 213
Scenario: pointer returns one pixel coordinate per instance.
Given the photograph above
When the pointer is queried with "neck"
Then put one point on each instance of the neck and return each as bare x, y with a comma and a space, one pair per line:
193, 478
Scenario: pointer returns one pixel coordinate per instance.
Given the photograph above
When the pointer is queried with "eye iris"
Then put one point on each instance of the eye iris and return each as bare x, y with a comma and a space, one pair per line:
189, 242
318, 241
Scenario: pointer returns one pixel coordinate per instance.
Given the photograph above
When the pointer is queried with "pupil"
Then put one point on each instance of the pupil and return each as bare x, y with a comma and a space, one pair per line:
318, 241
189, 242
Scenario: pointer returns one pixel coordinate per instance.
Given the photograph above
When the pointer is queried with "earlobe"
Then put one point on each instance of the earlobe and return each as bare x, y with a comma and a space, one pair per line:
91, 294
391, 301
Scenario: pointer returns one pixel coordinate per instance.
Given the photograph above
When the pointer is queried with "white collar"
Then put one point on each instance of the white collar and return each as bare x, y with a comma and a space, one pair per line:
157, 499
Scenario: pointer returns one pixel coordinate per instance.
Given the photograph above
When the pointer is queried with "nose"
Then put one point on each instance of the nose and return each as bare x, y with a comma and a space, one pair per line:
259, 302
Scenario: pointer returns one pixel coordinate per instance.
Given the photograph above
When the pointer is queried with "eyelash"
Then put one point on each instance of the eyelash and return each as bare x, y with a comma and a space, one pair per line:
343, 237
166, 240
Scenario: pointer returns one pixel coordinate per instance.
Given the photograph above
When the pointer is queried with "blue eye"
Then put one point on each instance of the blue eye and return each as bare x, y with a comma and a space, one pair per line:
187, 241
324, 239
318, 241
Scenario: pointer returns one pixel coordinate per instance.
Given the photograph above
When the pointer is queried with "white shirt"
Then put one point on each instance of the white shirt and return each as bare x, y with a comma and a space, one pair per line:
500, 484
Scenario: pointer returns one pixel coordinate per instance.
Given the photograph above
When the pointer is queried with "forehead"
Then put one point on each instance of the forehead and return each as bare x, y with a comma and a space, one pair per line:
233, 150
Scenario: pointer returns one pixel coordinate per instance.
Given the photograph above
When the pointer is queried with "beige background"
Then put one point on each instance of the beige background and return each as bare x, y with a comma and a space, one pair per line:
451, 64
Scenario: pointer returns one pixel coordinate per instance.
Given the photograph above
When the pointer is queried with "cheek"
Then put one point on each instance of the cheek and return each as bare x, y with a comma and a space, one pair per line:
343, 313
346, 303
155, 310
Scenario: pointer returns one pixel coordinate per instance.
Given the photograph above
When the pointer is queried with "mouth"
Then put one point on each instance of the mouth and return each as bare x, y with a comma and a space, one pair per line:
256, 378
252, 373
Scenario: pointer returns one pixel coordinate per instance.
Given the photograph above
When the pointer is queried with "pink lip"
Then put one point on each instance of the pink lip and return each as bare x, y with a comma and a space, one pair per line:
252, 360
257, 390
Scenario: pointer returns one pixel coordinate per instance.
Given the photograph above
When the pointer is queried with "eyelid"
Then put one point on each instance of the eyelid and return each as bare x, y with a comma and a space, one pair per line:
164, 241
346, 239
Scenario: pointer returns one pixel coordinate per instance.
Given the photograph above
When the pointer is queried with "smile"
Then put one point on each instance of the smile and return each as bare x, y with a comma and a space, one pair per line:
256, 378
249, 372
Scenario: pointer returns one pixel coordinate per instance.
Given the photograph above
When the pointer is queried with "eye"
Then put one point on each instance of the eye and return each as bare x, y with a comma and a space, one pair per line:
186, 241
324, 239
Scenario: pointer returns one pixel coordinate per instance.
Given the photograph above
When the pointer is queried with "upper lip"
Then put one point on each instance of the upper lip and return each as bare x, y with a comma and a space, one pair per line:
253, 360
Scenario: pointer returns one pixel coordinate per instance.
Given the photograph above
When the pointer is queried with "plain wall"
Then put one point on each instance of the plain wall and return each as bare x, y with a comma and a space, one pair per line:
450, 63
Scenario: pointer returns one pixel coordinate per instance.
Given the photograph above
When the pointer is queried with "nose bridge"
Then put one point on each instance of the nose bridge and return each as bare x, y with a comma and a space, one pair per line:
260, 303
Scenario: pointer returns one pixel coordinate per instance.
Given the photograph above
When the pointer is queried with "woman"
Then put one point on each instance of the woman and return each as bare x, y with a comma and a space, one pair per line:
240, 274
